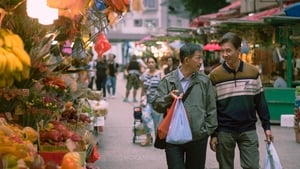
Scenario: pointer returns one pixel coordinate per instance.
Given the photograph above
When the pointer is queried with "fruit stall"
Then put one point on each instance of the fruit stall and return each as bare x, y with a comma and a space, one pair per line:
47, 112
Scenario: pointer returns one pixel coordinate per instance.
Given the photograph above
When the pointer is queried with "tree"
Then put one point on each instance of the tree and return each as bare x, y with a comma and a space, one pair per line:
194, 8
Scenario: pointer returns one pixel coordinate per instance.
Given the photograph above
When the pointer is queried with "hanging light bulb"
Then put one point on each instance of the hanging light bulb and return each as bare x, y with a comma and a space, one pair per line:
40, 10
34, 7
48, 16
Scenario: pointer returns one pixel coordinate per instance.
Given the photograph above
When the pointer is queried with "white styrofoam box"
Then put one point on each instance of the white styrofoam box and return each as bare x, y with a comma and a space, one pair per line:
287, 120
99, 121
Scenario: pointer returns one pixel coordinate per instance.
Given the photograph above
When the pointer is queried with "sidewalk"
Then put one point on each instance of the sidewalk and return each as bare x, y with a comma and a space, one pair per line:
118, 152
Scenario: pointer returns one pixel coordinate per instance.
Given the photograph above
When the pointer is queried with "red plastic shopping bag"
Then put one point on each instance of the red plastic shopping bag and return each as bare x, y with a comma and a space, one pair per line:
94, 155
163, 127
101, 44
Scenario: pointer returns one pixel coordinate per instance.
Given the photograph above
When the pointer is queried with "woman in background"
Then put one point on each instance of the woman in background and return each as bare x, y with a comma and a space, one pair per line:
171, 65
150, 80
101, 75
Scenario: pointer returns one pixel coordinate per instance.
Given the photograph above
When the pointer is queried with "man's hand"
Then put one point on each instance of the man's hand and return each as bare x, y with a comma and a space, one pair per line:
213, 143
269, 136
176, 95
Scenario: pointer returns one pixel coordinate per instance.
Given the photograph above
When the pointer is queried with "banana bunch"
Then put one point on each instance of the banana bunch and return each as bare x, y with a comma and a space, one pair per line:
15, 62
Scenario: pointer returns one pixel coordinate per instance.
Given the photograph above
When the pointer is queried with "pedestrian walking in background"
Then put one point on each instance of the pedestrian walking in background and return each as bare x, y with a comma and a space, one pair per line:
92, 73
200, 105
171, 65
132, 72
240, 96
101, 74
112, 75
149, 82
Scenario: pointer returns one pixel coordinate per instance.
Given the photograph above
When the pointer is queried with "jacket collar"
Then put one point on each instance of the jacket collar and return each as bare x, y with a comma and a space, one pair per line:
229, 70
174, 80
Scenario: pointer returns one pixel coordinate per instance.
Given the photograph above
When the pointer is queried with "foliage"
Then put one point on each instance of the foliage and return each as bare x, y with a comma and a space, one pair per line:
211, 7
196, 7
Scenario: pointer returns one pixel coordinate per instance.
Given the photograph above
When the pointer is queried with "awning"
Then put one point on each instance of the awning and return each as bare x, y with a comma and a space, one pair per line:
293, 10
223, 13
233, 5
260, 15
116, 36
212, 47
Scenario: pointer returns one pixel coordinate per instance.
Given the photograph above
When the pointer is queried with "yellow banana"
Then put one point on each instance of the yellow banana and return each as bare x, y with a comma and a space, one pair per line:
8, 41
2, 61
22, 55
16, 39
9, 81
2, 82
17, 75
1, 41
13, 63
18, 64
26, 72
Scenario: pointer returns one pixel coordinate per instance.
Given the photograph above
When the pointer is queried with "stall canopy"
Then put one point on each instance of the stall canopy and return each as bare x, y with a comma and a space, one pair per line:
260, 15
293, 10
229, 11
212, 47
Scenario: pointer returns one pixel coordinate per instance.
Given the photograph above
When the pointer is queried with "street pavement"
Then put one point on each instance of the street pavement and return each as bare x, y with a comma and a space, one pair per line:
117, 150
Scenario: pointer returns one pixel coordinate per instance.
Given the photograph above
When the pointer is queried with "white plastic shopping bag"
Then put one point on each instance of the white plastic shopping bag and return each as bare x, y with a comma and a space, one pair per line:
272, 160
179, 129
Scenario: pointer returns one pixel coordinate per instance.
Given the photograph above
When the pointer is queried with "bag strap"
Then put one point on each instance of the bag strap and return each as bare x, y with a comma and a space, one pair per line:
188, 91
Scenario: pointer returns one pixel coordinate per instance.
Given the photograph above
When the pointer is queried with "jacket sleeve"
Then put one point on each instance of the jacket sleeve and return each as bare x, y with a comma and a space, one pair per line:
162, 99
211, 117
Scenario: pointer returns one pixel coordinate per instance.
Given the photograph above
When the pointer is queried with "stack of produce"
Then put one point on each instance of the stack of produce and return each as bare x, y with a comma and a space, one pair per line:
55, 135
16, 145
76, 119
14, 60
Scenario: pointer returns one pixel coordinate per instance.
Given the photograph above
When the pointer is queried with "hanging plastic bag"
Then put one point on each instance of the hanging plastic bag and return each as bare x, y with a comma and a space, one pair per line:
272, 160
66, 48
163, 127
78, 50
100, 4
179, 130
94, 154
101, 44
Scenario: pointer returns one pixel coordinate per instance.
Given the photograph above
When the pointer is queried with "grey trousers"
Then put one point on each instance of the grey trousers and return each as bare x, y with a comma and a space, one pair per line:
247, 143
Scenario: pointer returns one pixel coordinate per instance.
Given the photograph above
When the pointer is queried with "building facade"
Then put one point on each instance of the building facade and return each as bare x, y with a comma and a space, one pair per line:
154, 20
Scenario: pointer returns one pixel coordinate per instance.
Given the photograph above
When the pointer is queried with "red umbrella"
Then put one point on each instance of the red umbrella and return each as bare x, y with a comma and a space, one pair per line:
212, 47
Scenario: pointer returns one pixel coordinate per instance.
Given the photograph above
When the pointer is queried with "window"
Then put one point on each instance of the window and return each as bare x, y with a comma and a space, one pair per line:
179, 22
151, 23
150, 4
138, 22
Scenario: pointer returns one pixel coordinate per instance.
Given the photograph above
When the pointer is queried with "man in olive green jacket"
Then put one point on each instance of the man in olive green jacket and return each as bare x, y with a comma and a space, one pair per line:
200, 105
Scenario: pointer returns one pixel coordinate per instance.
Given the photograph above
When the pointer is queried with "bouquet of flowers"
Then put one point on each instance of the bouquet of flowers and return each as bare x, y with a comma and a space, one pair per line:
43, 103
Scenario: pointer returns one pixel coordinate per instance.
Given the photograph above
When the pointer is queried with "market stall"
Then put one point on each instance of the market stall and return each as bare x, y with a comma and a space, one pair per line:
47, 110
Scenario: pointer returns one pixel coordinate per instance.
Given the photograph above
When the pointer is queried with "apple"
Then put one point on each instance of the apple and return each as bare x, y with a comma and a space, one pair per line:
67, 134
54, 135
76, 137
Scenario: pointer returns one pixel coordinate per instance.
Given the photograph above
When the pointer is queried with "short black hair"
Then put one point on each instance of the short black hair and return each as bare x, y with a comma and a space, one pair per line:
275, 74
188, 50
232, 38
